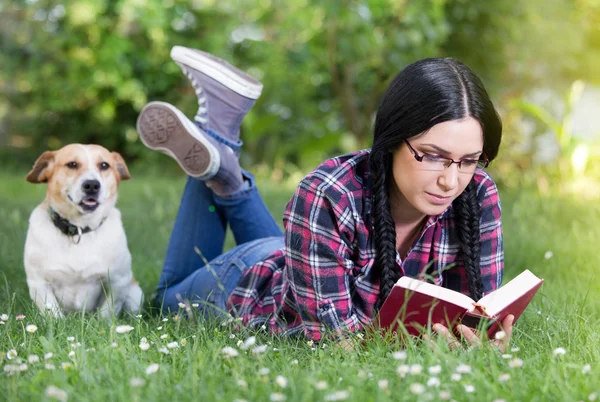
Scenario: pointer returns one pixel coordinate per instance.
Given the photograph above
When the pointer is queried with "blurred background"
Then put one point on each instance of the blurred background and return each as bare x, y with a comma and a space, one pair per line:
81, 70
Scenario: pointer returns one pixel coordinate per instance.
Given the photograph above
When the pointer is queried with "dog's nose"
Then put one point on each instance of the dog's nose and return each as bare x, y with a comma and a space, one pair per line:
91, 187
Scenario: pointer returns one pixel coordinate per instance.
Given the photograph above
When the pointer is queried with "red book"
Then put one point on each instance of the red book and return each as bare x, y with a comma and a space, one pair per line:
417, 305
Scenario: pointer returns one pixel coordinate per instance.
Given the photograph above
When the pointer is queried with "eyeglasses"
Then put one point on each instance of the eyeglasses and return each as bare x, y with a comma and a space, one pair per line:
438, 163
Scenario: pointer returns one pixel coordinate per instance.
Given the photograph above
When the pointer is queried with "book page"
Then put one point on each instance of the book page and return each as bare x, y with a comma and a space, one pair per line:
507, 294
436, 291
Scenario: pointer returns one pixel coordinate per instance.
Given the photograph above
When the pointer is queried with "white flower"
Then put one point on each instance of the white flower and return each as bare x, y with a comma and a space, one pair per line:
181, 305
400, 355
66, 366
144, 346
15, 368
463, 369
165, 319
456, 377
159, 328
137, 382
249, 342
11, 354
277, 397
514, 363
417, 388
281, 381
415, 369
195, 305
586, 369
56, 393
31, 328
164, 350
263, 371
20, 317
515, 349
172, 345
548, 255
259, 349
123, 329
504, 377
507, 356
242, 384
228, 351
183, 342
337, 396
433, 382
153, 368
71, 354
383, 384
48, 355
231, 336
70, 338
433, 370
445, 395
402, 370
500, 335
138, 316
4, 317
559, 352
33, 359
49, 366
310, 343
593, 396
321, 385
114, 345
469, 388
294, 362
164, 336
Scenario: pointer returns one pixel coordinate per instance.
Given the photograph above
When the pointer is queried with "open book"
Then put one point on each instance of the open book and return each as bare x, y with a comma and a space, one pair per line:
418, 305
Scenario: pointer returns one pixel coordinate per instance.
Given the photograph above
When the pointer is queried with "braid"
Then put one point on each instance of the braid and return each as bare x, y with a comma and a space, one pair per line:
385, 230
468, 214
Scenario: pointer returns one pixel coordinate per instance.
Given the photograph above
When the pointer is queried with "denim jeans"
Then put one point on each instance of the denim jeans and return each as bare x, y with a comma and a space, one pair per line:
195, 267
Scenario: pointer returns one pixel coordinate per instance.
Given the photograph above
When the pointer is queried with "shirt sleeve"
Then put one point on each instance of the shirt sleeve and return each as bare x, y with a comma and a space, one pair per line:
318, 234
490, 227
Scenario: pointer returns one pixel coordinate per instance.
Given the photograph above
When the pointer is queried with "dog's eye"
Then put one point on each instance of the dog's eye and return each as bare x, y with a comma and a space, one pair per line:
104, 166
72, 165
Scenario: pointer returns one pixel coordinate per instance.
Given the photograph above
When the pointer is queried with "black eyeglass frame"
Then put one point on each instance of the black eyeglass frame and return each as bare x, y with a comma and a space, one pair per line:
482, 159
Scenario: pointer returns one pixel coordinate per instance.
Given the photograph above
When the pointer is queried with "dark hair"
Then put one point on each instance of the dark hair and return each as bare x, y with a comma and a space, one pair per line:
426, 93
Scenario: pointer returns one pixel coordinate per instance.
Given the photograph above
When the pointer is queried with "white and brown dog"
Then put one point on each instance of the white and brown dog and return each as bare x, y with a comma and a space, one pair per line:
76, 255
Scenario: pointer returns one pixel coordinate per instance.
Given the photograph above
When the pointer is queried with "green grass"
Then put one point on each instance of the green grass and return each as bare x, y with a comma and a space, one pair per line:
563, 314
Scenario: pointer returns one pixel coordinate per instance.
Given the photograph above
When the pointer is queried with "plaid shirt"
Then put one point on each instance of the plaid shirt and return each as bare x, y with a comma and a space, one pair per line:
323, 280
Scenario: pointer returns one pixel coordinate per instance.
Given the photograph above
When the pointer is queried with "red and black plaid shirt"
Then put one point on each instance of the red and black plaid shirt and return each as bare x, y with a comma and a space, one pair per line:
323, 280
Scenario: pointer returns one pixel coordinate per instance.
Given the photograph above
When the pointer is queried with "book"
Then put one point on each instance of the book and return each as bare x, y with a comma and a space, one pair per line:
418, 305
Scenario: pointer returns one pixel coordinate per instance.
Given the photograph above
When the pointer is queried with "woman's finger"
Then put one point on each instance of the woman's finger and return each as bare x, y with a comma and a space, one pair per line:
470, 336
506, 327
441, 330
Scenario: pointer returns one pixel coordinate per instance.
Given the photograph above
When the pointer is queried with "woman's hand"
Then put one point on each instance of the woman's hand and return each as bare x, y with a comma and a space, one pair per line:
471, 338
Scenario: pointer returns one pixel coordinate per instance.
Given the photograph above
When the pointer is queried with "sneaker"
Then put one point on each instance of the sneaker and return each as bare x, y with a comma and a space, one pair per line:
165, 128
225, 94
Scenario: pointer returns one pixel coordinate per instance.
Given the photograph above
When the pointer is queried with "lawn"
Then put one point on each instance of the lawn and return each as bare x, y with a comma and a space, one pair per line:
86, 358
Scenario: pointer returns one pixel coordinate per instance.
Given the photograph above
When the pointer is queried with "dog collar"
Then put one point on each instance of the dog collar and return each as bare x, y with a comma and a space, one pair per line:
68, 228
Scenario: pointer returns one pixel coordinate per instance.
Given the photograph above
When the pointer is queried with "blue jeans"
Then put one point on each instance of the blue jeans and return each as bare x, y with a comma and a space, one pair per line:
195, 268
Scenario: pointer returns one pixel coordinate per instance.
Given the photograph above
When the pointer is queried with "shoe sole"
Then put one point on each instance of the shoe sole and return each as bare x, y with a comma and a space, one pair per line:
218, 70
162, 127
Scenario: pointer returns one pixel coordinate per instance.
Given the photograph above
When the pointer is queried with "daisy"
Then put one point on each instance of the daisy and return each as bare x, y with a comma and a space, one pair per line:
263, 371
433, 370
500, 335
70, 338
48, 355
49, 366
310, 343
504, 377
71, 354
164, 350
33, 359
66, 366
4, 317
164, 336
228, 351
123, 329
293, 362
469, 389
242, 384
172, 345
183, 342
144, 346
249, 342
114, 345
31, 328
321, 385
159, 328
456, 377
20, 317
445, 395
281, 381
417, 388
181, 305
11, 354
137, 382
433, 382
507, 356
399, 355
593, 396
586, 369
515, 349
559, 352
153, 368
548, 255
463, 369
402, 370
259, 349
277, 397
54, 392
415, 369
383, 384
195, 305
165, 319
515, 363
337, 396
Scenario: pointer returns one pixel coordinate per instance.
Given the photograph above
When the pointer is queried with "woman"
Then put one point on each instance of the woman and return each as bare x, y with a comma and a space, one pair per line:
415, 204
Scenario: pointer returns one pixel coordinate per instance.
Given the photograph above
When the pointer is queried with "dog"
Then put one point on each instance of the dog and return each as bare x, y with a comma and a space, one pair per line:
76, 256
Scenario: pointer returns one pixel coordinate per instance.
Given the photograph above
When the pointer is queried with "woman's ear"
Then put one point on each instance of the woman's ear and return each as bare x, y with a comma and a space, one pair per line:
42, 169
121, 166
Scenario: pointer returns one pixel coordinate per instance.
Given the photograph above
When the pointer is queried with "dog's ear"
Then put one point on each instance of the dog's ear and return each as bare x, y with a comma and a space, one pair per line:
121, 166
42, 169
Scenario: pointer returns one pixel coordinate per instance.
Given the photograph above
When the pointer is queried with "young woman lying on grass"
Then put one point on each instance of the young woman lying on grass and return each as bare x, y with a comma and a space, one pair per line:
415, 203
